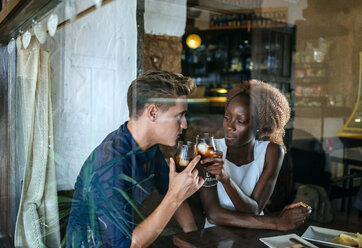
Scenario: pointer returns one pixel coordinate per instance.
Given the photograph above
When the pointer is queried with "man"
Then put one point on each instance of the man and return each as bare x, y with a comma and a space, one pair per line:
121, 172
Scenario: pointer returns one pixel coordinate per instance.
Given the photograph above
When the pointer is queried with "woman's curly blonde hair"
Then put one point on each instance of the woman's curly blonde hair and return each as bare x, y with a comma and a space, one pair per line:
271, 106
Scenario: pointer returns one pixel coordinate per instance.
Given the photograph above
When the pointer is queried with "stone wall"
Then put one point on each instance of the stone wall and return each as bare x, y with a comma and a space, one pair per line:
162, 52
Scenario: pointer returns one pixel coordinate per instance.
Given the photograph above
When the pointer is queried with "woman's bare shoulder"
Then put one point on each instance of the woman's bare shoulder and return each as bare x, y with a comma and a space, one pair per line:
274, 153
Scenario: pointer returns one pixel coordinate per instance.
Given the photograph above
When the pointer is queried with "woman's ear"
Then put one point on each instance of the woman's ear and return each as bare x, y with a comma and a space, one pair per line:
152, 111
257, 133
255, 128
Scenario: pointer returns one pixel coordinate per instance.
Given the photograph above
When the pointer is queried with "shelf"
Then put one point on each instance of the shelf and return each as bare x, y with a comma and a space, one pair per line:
236, 72
309, 65
321, 112
18, 15
266, 72
271, 78
313, 97
309, 112
239, 49
320, 99
312, 32
276, 25
314, 80
196, 64
265, 53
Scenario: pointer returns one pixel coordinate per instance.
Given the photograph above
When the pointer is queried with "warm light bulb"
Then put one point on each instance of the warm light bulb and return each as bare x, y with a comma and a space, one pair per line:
193, 41
222, 91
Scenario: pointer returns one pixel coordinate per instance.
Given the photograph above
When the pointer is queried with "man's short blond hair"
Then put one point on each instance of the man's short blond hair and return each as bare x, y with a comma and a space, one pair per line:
158, 87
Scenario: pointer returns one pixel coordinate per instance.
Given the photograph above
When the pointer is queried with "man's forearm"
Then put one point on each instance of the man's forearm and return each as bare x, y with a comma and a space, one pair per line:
147, 232
181, 186
184, 217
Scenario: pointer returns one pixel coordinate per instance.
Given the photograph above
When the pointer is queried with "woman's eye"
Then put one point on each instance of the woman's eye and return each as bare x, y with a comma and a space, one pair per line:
241, 122
226, 118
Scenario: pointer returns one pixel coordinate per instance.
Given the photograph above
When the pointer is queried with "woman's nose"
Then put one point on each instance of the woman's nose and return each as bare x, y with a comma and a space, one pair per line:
230, 125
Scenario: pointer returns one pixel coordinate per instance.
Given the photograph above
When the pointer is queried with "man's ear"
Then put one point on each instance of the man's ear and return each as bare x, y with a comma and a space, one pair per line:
152, 111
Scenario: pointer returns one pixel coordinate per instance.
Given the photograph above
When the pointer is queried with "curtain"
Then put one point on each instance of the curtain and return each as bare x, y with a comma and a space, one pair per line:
37, 221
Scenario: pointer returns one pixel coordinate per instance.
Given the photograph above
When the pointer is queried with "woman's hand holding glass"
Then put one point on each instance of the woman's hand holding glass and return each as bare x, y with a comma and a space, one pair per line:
211, 159
205, 146
215, 166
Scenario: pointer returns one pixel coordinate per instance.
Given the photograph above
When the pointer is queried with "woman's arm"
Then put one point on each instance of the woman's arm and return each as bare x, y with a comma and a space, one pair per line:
264, 187
291, 217
184, 217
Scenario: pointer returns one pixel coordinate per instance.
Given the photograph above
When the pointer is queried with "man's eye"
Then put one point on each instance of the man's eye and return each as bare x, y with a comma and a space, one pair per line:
179, 117
226, 118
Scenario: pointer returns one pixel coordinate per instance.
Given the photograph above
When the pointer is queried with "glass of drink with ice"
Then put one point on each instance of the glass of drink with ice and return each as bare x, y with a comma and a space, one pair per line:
205, 146
184, 154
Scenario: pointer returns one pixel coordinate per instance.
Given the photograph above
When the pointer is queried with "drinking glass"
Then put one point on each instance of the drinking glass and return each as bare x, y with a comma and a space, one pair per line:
184, 154
205, 146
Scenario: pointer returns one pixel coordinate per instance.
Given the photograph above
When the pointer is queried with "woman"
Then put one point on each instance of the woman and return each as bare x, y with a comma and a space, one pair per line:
253, 152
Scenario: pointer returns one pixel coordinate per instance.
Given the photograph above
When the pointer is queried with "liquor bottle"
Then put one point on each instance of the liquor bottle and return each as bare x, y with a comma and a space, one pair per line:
238, 20
243, 18
229, 20
212, 21
247, 64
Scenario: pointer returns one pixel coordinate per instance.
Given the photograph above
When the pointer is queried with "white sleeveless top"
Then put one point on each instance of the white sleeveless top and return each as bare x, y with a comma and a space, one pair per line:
245, 176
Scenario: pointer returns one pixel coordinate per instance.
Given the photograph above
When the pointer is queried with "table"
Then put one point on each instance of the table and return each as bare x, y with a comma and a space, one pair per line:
220, 236
229, 237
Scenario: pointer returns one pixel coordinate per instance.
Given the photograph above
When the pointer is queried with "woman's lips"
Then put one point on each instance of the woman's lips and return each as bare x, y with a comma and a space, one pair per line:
229, 136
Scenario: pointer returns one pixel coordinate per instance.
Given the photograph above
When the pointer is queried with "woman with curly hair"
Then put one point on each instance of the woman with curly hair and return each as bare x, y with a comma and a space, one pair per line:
253, 152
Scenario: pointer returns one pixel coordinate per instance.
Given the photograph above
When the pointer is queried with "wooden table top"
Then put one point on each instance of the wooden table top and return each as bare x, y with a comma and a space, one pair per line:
229, 237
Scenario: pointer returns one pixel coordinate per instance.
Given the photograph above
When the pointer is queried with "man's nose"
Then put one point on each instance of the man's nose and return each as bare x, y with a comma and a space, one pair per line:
183, 122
